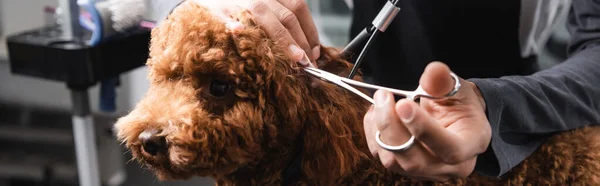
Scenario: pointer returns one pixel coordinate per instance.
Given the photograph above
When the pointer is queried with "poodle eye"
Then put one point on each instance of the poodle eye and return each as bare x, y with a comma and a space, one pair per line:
219, 88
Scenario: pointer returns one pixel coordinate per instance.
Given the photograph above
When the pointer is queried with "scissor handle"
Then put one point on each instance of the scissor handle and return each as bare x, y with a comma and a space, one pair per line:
419, 92
457, 85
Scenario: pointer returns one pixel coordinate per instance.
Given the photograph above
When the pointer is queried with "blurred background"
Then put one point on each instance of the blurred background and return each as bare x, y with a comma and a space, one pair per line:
36, 135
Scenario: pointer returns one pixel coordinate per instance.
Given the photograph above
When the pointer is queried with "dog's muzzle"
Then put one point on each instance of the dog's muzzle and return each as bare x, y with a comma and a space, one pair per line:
152, 143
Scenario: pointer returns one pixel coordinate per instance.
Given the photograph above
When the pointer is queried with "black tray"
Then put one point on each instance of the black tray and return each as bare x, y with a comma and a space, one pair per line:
42, 54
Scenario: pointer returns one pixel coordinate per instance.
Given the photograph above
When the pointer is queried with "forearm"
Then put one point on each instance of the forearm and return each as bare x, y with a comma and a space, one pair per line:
523, 111
555, 99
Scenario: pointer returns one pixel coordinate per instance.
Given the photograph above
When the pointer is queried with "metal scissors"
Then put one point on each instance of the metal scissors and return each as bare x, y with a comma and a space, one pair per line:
380, 24
413, 95
346, 83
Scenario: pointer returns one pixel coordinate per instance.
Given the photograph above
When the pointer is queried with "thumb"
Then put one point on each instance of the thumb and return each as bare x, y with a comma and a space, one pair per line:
436, 79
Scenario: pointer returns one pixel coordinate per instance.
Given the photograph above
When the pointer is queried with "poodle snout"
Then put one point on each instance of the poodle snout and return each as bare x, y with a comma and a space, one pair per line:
152, 143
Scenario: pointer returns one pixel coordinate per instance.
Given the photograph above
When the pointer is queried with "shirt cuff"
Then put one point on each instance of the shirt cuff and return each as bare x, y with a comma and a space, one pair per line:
493, 162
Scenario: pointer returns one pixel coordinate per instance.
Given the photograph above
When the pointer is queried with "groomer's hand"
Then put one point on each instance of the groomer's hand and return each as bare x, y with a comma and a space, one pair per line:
288, 22
449, 133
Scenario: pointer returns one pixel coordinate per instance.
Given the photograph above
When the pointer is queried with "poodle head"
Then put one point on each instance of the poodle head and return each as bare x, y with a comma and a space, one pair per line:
218, 101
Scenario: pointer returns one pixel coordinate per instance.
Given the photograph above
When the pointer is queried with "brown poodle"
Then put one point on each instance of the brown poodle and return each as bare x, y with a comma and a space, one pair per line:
234, 107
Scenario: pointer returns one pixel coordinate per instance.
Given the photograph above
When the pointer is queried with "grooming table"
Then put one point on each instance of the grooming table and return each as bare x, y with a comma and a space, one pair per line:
41, 53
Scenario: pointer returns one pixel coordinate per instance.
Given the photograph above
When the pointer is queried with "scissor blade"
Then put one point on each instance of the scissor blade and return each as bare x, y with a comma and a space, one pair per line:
338, 81
356, 91
408, 94
315, 73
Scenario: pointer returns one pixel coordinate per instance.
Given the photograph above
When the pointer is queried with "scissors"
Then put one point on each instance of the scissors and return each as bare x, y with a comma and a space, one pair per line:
413, 95
346, 84
380, 24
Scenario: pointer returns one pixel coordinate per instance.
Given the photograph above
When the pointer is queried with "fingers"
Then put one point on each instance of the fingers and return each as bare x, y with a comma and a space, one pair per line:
449, 146
392, 132
289, 20
302, 12
234, 26
440, 152
273, 27
389, 161
370, 128
424, 165
446, 145
436, 79
419, 162
381, 116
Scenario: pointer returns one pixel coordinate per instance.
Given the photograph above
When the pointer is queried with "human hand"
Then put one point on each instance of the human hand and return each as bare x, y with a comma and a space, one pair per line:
449, 133
288, 22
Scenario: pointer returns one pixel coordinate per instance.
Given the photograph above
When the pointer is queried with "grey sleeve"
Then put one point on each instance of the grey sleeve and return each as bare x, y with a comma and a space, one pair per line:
524, 110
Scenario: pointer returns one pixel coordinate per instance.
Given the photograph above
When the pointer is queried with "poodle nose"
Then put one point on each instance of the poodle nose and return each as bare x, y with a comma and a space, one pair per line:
151, 143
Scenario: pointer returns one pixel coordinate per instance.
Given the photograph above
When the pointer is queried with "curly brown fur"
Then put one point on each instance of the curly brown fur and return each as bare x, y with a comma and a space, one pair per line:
250, 134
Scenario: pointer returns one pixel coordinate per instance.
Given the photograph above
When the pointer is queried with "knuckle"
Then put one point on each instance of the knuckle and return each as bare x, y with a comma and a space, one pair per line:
258, 7
288, 19
482, 148
306, 49
485, 140
298, 5
374, 152
464, 169
416, 130
462, 174
412, 168
382, 123
279, 33
453, 157
389, 163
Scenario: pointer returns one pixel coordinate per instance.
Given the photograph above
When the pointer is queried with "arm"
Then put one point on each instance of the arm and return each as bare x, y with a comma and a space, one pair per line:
524, 111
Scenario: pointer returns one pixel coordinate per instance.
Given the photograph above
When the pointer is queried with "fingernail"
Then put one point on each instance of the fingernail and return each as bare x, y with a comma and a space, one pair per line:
316, 52
298, 53
234, 26
380, 98
405, 111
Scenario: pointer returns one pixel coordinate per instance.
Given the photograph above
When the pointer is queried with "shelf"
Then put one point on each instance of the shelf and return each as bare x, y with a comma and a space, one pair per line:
42, 53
